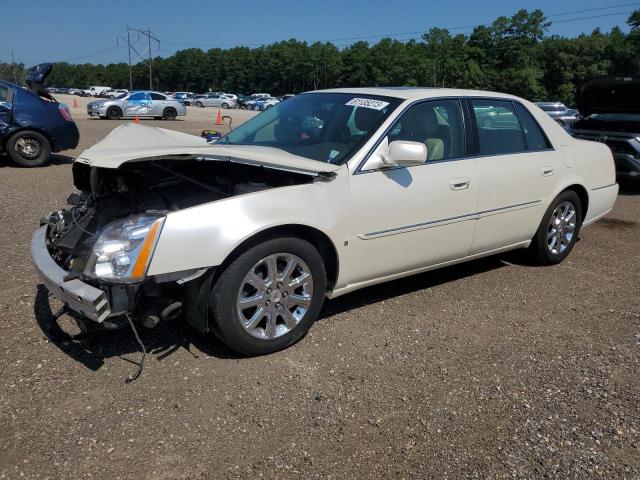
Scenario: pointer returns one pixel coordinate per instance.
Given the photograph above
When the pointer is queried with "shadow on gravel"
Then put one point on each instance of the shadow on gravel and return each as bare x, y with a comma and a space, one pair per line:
403, 286
56, 159
91, 349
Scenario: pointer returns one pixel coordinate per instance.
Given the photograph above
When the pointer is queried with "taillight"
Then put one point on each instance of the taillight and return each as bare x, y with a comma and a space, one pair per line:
65, 112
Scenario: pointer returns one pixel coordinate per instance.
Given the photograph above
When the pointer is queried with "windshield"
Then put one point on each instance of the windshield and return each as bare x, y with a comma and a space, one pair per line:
327, 127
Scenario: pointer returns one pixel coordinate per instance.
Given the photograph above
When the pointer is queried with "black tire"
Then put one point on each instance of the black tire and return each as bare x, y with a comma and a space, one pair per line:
199, 104
225, 291
169, 113
225, 105
39, 148
539, 250
114, 113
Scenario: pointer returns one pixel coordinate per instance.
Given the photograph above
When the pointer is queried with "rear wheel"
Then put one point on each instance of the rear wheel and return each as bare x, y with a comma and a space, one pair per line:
169, 113
269, 296
114, 113
199, 104
29, 149
559, 229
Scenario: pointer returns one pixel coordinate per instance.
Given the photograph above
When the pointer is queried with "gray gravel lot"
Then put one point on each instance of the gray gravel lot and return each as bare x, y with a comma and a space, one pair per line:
492, 369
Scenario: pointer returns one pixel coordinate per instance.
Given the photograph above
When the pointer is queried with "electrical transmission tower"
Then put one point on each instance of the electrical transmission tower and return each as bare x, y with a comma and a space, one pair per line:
147, 33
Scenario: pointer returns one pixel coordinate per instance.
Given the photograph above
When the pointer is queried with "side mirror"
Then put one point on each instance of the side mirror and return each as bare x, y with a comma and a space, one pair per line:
403, 153
227, 121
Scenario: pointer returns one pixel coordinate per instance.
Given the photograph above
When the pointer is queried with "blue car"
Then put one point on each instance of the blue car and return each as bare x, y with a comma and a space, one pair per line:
32, 123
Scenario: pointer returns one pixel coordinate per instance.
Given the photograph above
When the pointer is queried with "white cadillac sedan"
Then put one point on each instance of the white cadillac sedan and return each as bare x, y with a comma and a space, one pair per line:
323, 194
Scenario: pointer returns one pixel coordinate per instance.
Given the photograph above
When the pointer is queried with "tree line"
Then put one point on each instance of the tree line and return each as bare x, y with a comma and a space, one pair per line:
513, 55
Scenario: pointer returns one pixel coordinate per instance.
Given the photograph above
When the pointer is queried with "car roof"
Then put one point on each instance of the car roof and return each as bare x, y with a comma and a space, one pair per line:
408, 93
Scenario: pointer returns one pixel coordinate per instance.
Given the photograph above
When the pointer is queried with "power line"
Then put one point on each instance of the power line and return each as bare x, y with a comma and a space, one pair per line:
420, 32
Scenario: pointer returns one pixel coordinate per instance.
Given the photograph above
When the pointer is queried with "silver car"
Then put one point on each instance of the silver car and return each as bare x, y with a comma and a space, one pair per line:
137, 104
214, 100
559, 112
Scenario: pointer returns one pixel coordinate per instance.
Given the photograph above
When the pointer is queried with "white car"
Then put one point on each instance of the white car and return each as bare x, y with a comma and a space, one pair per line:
96, 90
117, 93
321, 195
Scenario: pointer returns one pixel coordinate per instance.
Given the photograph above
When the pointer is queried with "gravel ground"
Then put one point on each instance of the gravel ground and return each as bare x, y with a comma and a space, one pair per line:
492, 369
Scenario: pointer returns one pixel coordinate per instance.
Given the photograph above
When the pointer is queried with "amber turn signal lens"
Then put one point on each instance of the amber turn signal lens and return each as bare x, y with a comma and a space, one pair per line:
140, 268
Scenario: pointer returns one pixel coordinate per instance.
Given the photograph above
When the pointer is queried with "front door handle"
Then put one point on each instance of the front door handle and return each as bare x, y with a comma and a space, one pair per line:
546, 171
460, 184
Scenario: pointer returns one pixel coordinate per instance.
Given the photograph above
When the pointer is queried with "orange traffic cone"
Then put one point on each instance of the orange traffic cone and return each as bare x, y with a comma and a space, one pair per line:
136, 119
75, 103
219, 118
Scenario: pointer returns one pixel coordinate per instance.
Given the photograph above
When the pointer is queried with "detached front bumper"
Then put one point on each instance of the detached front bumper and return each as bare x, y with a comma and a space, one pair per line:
77, 295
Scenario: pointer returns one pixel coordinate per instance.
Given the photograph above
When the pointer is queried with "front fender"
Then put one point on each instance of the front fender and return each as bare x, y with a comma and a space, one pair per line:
205, 235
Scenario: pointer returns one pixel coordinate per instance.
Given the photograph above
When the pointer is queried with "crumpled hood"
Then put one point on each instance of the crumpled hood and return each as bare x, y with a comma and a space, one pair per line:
133, 142
609, 94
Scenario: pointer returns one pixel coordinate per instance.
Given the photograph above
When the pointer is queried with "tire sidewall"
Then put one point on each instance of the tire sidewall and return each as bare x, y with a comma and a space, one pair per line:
23, 162
540, 241
225, 290
169, 114
111, 115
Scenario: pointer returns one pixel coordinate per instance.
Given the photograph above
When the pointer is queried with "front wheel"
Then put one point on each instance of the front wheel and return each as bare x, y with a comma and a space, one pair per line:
269, 296
114, 113
559, 230
225, 105
29, 149
199, 104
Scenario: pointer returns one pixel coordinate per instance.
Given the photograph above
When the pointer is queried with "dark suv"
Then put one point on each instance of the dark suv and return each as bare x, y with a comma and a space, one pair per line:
32, 123
611, 109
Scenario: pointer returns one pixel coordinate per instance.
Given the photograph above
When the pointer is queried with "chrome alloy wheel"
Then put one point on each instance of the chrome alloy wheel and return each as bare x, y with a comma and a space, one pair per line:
28, 148
561, 228
274, 296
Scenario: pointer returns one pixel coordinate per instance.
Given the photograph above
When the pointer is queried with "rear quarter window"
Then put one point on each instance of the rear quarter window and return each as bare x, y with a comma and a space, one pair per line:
4, 94
534, 136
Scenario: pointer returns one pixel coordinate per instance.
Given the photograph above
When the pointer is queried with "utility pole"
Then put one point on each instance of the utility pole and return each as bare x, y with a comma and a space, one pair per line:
130, 73
13, 67
150, 37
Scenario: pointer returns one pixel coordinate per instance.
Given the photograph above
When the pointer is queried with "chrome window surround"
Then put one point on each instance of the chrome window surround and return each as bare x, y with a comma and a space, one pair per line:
469, 126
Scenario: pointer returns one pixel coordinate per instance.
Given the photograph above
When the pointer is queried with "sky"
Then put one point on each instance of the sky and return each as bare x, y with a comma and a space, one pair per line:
85, 31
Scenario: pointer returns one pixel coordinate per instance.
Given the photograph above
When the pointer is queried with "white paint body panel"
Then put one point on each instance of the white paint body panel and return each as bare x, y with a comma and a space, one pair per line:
383, 224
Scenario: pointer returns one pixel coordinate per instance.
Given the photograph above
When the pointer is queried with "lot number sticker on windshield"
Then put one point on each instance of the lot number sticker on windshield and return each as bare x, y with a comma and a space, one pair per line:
367, 103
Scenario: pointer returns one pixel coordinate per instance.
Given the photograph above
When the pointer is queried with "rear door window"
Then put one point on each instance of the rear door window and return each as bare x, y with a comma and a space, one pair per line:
157, 96
499, 131
4, 94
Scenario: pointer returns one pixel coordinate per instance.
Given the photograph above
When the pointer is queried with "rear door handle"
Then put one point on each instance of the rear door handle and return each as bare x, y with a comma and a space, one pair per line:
546, 171
460, 184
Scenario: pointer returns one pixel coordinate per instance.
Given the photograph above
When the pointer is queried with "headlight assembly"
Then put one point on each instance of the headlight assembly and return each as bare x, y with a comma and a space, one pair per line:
124, 249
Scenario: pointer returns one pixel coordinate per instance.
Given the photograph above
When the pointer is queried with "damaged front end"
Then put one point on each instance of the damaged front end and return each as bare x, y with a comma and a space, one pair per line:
94, 254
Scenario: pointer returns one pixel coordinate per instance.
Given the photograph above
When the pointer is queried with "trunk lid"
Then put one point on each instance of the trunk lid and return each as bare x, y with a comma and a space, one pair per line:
133, 142
609, 94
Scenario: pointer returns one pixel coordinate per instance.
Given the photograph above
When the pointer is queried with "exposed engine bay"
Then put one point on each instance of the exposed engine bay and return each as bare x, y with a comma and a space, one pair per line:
106, 195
